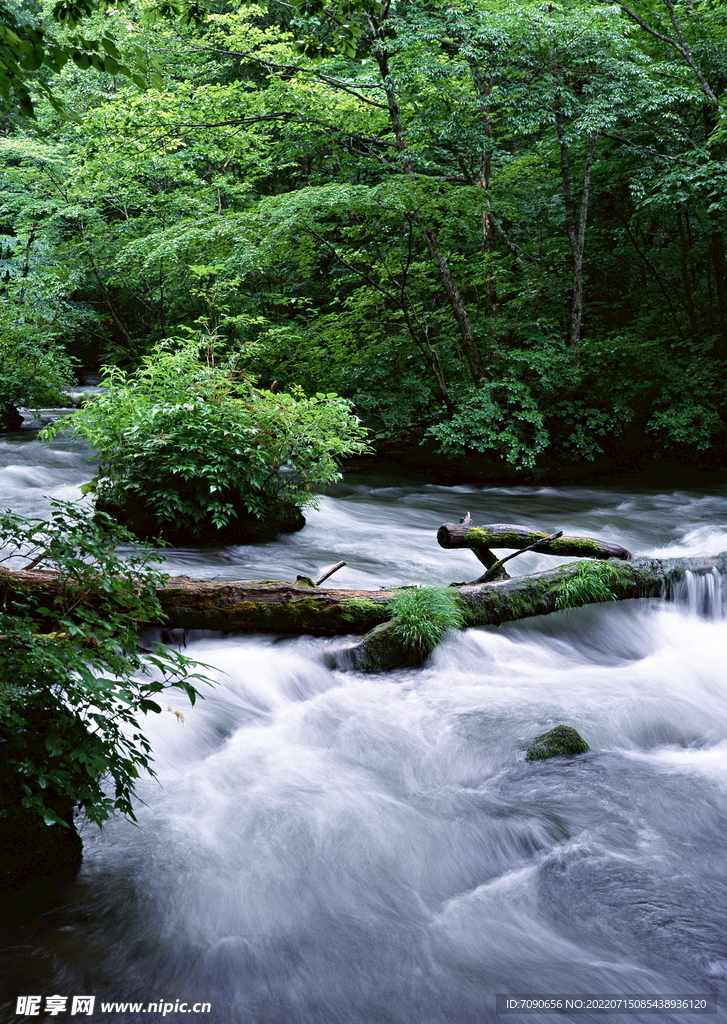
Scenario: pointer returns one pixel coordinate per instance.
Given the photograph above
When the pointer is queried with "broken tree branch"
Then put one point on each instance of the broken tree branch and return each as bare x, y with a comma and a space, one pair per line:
329, 572
493, 572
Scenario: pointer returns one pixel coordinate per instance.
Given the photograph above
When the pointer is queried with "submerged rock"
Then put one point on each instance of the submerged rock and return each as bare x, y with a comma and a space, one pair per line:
380, 650
562, 741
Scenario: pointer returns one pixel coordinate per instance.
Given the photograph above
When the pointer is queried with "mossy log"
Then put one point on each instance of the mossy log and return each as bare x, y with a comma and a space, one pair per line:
247, 606
488, 604
505, 535
280, 607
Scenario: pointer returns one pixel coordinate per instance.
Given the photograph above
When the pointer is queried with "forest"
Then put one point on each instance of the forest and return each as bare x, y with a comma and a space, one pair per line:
496, 229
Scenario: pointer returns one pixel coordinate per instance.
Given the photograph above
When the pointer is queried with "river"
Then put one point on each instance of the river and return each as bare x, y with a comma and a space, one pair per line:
334, 848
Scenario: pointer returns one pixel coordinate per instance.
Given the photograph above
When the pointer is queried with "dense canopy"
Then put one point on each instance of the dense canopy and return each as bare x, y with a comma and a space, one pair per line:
495, 227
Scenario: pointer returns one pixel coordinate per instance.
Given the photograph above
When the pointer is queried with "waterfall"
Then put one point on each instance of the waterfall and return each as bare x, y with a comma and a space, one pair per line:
702, 594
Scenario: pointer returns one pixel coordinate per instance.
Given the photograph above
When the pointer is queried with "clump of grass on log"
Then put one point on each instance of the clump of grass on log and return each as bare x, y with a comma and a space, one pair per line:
591, 582
423, 615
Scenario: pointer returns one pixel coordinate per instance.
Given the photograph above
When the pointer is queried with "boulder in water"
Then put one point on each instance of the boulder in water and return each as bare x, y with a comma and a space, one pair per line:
562, 741
381, 650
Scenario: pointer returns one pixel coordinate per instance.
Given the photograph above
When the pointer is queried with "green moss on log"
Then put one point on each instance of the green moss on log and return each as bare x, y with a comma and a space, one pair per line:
271, 609
503, 539
562, 741
522, 597
590, 583
489, 604
356, 610
566, 545
485, 539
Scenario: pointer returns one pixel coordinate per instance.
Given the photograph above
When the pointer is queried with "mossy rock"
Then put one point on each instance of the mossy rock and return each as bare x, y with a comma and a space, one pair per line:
281, 517
562, 741
382, 650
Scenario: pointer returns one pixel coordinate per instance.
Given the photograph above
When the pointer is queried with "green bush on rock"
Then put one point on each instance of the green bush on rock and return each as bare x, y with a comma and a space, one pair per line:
191, 450
420, 619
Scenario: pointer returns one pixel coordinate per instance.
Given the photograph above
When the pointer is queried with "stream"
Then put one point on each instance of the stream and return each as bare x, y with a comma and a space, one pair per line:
334, 848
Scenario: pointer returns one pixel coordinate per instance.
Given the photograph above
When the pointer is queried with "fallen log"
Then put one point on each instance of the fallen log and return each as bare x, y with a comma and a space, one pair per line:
497, 570
538, 593
245, 606
505, 535
282, 607
522, 597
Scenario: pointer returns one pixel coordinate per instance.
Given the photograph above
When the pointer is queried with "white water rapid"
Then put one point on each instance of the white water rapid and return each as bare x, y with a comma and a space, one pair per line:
335, 848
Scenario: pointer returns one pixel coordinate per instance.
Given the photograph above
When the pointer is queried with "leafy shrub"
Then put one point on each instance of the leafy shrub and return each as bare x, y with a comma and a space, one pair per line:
423, 615
503, 421
197, 446
73, 683
539, 405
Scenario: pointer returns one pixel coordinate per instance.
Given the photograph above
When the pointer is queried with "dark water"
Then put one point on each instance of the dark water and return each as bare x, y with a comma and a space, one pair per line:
325, 847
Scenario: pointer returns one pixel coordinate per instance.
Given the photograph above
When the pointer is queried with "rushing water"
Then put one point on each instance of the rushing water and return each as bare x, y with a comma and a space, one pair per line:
335, 848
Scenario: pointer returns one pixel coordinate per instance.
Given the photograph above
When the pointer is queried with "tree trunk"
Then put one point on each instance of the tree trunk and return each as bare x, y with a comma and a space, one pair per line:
484, 89
575, 225
418, 331
470, 347
717, 253
522, 597
119, 325
250, 607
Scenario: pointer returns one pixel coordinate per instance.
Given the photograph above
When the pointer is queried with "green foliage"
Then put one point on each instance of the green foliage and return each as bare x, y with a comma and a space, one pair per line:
503, 420
42, 254
298, 175
423, 615
73, 683
591, 581
33, 48
33, 374
195, 441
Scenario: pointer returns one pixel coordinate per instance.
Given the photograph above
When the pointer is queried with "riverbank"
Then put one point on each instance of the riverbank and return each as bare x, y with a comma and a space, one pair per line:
630, 466
633, 460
